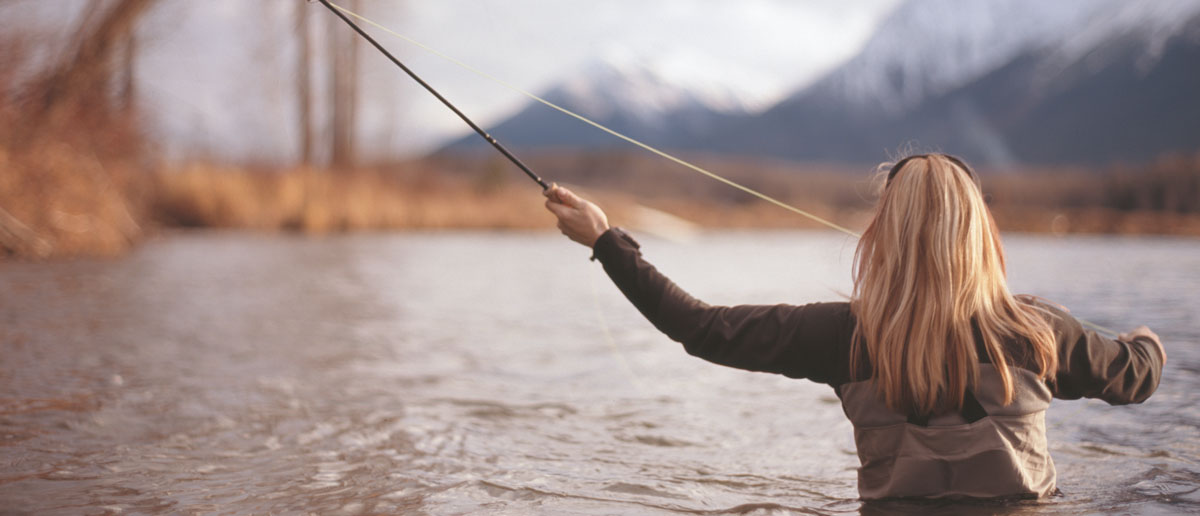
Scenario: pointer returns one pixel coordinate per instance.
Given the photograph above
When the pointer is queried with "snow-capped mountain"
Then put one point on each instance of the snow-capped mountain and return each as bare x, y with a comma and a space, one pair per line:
1000, 82
645, 90
1152, 24
997, 81
634, 96
929, 47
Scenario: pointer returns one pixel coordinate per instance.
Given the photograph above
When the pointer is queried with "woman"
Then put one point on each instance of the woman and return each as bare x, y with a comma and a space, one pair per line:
944, 374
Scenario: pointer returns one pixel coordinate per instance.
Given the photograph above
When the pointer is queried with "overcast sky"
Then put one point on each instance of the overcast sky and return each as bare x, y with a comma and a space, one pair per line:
217, 72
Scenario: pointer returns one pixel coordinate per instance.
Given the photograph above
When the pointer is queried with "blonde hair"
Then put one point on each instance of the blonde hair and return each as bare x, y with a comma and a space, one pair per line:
928, 274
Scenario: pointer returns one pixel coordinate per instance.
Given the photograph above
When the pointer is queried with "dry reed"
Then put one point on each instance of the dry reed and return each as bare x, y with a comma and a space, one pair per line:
61, 199
322, 201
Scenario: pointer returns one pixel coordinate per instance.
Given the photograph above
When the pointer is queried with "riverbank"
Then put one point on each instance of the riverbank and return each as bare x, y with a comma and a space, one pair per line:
58, 202
423, 197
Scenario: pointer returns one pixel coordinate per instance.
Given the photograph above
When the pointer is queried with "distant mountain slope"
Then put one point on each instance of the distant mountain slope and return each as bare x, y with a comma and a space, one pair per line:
629, 96
998, 81
1124, 100
926, 48
1124, 88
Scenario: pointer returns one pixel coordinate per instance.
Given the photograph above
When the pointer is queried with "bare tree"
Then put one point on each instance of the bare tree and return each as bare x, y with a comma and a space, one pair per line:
304, 97
84, 76
344, 50
128, 94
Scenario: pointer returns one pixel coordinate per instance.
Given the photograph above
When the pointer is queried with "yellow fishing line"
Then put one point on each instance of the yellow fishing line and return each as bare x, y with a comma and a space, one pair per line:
629, 139
601, 127
1097, 327
608, 338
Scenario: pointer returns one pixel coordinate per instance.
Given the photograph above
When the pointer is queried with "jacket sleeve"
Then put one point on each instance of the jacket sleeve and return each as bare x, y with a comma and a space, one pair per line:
1093, 366
797, 341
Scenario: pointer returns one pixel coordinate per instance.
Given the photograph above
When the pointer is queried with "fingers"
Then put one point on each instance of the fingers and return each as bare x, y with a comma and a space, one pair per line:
568, 197
562, 195
1129, 335
558, 209
554, 192
1141, 331
578, 219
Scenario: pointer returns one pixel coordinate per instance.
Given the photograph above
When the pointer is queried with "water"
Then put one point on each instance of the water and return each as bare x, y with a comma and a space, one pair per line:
476, 373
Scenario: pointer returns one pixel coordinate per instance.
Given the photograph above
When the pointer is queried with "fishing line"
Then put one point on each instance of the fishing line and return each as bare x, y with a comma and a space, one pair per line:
608, 338
339, 10
478, 130
343, 13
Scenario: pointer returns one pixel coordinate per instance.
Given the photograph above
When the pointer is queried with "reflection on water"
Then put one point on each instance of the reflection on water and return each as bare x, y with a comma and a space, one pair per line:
471, 373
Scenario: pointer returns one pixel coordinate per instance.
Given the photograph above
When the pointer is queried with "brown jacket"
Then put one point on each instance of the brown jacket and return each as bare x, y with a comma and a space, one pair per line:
994, 450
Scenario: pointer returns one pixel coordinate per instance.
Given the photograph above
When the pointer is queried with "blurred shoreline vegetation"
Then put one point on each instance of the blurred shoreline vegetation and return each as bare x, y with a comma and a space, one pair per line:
79, 176
71, 149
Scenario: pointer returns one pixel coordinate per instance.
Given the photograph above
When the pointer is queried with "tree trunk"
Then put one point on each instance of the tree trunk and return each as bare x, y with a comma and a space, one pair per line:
128, 80
345, 93
85, 75
304, 100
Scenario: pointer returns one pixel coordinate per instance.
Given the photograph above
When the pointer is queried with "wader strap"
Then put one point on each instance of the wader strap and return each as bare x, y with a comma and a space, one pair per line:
972, 411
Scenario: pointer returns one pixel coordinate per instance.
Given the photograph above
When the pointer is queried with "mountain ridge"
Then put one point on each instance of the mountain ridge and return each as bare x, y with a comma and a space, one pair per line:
1118, 87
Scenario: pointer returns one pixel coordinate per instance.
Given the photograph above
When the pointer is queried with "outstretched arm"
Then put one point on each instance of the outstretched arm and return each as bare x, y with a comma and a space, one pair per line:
797, 341
1120, 371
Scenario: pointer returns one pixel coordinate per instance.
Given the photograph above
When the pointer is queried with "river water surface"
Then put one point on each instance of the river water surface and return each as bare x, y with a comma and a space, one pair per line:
479, 373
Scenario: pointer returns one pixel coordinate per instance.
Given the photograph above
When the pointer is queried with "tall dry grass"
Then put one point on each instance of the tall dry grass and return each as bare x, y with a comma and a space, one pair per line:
316, 201
71, 152
79, 177
71, 201
57, 199
1161, 197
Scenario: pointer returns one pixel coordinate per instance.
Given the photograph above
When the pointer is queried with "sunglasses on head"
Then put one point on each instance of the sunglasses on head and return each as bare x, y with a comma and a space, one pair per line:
900, 164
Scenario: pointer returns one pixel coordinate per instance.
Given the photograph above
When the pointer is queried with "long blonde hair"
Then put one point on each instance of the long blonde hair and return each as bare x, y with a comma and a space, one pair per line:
929, 271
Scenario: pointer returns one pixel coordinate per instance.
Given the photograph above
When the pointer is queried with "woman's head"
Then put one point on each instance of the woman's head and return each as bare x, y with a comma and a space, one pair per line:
929, 268
932, 219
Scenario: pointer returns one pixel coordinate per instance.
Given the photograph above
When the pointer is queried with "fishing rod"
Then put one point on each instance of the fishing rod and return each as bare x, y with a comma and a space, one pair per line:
478, 130
339, 10
483, 134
